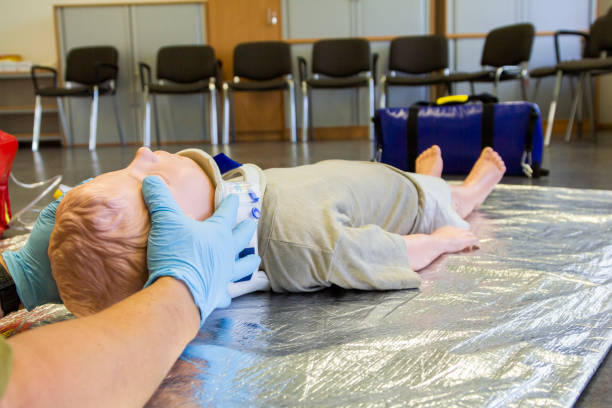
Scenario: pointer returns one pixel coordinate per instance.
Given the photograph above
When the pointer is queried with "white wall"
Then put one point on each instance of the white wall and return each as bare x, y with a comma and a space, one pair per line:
26, 27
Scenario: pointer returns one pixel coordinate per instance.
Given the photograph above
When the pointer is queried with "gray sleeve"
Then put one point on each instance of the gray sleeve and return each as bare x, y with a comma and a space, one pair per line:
370, 258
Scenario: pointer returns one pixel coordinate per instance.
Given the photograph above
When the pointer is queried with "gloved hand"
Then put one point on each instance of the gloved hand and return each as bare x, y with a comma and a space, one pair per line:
29, 266
202, 254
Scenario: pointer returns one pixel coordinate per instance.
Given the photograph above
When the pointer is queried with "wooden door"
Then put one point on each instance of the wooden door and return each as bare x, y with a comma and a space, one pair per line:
258, 115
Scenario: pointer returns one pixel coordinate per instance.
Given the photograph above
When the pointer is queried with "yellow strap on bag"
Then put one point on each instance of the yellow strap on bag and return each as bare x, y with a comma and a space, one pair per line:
452, 99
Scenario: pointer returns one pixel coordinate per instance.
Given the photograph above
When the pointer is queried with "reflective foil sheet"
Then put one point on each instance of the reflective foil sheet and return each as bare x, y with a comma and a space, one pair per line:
524, 321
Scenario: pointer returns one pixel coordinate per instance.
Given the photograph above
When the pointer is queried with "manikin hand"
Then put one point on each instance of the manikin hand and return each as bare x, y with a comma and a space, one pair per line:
202, 254
29, 266
456, 239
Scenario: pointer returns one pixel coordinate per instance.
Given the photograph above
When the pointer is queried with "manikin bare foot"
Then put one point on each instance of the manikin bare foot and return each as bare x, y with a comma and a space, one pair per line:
486, 173
429, 162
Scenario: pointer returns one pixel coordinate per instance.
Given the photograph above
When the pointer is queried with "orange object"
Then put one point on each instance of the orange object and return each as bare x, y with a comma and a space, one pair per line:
11, 57
8, 150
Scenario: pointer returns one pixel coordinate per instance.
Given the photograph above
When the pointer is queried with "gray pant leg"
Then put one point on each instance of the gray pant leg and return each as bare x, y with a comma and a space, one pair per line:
436, 210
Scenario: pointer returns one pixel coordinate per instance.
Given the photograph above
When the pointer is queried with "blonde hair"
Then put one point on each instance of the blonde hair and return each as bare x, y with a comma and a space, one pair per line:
98, 247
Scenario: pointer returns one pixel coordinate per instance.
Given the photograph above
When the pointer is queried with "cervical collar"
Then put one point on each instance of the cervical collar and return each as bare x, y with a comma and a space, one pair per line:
248, 182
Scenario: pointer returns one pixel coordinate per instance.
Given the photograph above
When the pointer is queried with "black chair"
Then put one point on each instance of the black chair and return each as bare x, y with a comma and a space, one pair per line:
507, 51
337, 64
423, 57
260, 67
596, 48
181, 70
94, 70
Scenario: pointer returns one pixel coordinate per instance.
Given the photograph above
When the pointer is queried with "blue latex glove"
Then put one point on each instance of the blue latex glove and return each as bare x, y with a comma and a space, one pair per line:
202, 254
29, 266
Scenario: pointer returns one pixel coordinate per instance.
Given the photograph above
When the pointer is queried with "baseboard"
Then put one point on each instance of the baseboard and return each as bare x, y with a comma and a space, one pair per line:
560, 127
340, 133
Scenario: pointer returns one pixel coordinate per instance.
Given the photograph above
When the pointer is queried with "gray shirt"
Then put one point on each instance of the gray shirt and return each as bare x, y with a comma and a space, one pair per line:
338, 222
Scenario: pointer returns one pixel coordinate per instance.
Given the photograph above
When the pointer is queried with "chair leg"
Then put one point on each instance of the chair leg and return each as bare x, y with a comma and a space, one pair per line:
495, 85
372, 108
156, 115
292, 108
146, 120
226, 114
589, 101
37, 120
214, 134
93, 119
524, 88
553, 108
472, 88
232, 112
535, 90
574, 110
310, 117
305, 111
62, 115
383, 92
118, 119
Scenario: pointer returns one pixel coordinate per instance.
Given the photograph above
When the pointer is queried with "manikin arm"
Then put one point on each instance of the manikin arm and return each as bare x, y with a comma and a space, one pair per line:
117, 357
423, 249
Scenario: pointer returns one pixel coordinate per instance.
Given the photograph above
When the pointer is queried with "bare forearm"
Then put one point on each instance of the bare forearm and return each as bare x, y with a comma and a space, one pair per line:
115, 358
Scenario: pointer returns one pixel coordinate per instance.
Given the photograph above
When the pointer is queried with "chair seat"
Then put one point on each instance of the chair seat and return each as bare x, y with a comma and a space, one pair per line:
348, 82
430, 79
481, 76
542, 72
585, 64
55, 92
174, 88
269, 85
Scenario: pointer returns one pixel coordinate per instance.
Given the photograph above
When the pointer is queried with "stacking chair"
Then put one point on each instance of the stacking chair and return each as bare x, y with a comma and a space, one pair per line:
90, 72
506, 51
259, 67
181, 70
423, 57
595, 61
337, 64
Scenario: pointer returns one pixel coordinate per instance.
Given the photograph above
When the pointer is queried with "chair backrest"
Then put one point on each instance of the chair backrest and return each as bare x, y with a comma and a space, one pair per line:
81, 64
262, 60
509, 45
600, 38
186, 63
418, 54
341, 57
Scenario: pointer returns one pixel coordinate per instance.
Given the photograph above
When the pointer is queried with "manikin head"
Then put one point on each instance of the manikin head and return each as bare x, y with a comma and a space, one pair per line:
98, 245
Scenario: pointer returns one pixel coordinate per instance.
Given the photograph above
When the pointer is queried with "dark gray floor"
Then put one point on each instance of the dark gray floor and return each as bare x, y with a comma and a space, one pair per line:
579, 164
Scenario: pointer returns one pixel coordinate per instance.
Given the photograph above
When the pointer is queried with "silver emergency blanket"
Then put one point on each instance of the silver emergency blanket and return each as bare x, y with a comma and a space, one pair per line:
524, 321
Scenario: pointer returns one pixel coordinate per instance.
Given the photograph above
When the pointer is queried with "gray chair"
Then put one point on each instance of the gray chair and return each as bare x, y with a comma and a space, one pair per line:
506, 51
595, 62
424, 58
90, 72
337, 64
181, 70
259, 67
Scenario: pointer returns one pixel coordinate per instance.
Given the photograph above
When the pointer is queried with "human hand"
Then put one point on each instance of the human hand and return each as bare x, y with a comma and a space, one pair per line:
456, 239
202, 254
29, 266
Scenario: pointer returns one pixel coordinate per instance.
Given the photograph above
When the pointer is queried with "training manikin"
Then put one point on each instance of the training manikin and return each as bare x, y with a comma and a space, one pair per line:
358, 225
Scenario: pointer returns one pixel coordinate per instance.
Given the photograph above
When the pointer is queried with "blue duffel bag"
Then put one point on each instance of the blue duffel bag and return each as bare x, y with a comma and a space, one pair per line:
462, 130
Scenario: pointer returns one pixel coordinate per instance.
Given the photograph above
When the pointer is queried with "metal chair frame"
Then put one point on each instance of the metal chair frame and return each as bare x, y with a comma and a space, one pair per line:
228, 109
146, 81
370, 75
93, 116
